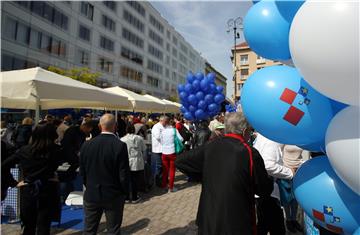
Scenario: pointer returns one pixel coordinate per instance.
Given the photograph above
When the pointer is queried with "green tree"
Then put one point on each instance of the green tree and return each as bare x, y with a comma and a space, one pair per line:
80, 74
174, 99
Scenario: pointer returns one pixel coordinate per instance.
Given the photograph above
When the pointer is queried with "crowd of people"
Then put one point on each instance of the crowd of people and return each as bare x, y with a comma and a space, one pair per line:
117, 158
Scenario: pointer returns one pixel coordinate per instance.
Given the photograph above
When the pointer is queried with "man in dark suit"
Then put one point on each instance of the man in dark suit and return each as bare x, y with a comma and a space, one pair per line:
104, 166
231, 173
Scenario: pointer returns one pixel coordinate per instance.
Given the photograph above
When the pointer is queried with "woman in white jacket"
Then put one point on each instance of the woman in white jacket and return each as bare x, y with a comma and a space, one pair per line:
167, 140
136, 151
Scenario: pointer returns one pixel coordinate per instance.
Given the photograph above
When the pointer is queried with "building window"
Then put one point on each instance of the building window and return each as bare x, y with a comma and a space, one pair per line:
168, 60
154, 67
133, 21
168, 35
156, 24
136, 5
153, 81
87, 10
244, 59
35, 39
131, 74
106, 43
183, 48
182, 58
23, 33
84, 33
174, 52
174, 64
108, 23
9, 62
131, 37
168, 47
175, 41
83, 57
244, 73
45, 45
47, 12
105, 65
239, 87
155, 52
110, 4
155, 37
131, 55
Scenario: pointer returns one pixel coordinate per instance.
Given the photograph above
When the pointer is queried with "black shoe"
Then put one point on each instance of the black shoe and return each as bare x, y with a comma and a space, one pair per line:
297, 226
290, 226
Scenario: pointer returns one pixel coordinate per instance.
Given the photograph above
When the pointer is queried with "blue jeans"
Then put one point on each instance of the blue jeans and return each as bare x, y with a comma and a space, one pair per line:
156, 164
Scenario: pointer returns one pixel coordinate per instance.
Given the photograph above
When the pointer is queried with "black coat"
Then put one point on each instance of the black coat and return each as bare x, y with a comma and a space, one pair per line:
201, 136
104, 166
22, 135
226, 204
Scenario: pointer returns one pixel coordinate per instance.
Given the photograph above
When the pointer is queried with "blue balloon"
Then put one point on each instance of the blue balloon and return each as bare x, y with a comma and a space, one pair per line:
219, 89
183, 109
267, 32
337, 106
188, 116
188, 88
289, 8
202, 104
200, 95
181, 87
192, 99
219, 98
209, 98
315, 147
212, 107
357, 232
255, 1
204, 84
199, 76
192, 108
200, 114
325, 198
211, 77
282, 106
196, 85
191, 79
183, 95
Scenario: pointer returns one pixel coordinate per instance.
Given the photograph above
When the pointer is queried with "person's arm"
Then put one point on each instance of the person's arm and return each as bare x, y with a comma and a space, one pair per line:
273, 168
191, 162
69, 144
156, 133
82, 163
124, 169
264, 184
5, 169
179, 136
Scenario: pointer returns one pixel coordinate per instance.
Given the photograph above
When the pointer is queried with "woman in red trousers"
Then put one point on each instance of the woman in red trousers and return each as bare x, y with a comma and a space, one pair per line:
167, 139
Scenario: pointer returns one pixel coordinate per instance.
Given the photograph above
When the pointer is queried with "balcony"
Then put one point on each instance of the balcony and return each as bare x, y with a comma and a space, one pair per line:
260, 61
244, 62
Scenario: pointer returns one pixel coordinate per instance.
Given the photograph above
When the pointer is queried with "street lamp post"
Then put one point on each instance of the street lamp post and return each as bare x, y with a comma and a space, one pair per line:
235, 25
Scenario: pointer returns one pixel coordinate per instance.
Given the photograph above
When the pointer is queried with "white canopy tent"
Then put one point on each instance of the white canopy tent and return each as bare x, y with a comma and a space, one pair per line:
177, 105
168, 107
140, 103
37, 88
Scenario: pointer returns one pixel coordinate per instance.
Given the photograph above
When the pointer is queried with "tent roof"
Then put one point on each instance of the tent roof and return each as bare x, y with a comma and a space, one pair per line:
169, 107
140, 103
29, 87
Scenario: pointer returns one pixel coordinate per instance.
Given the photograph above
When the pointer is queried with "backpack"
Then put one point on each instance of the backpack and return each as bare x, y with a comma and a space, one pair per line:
185, 133
179, 147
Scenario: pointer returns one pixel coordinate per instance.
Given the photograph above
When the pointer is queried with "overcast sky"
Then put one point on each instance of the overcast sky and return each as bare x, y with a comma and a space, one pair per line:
204, 24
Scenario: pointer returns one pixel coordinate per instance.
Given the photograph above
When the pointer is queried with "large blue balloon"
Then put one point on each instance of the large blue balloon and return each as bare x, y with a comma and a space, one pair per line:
212, 107
325, 198
315, 147
267, 31
282, 106
357, 232
289, 8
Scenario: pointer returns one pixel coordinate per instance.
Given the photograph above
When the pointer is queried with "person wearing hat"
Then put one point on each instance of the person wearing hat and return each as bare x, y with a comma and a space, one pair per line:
218, 131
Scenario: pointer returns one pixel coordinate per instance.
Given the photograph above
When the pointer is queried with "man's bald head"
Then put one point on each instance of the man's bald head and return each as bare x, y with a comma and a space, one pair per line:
108, 122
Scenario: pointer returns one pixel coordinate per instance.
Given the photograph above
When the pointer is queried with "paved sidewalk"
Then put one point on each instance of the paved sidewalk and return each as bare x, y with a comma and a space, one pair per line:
159, 213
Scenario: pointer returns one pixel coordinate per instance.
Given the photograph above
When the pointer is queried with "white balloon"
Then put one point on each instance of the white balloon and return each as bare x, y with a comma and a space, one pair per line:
324, 45
343, 146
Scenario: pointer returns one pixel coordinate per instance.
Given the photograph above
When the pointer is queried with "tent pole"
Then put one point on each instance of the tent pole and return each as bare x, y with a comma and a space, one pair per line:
37, 111
116, 115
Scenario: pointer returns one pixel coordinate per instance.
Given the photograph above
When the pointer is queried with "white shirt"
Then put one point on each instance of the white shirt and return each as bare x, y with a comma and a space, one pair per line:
271, 152
167, 139
155, 138
136, 151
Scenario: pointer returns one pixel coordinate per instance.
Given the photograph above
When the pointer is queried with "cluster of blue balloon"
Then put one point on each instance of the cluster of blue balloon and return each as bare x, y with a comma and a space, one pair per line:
231, 108
283, 105
200, 97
